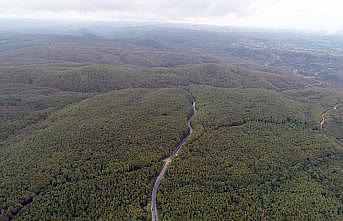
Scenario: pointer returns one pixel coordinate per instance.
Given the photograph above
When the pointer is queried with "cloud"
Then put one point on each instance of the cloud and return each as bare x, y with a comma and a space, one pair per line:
294, 14
161, 7
65, 5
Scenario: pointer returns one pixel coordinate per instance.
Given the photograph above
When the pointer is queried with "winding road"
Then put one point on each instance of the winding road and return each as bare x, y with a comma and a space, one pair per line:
167, 161
323, 115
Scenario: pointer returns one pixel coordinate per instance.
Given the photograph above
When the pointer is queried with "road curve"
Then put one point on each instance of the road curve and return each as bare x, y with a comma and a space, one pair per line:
323, 115
167, 161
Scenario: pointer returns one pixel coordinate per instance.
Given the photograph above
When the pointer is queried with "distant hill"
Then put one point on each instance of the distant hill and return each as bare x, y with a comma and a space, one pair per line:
89, 115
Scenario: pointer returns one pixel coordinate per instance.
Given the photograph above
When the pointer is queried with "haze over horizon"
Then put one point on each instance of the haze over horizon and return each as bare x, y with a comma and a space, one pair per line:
307, 15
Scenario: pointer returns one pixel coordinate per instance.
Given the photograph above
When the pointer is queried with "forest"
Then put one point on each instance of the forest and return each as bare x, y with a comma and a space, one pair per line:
86, 121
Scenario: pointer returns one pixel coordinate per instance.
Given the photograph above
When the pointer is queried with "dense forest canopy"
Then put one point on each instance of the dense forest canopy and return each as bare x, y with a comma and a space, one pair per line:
87, 118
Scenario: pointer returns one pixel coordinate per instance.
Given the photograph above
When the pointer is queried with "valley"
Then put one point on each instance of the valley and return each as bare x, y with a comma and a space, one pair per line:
169, 160
170, 123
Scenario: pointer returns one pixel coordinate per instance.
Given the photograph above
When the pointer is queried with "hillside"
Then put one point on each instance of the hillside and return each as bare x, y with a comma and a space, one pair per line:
255, 159
104, 78
89, 118
81, 153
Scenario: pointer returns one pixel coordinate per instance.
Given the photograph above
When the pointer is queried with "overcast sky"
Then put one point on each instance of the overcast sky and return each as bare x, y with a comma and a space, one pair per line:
309, 15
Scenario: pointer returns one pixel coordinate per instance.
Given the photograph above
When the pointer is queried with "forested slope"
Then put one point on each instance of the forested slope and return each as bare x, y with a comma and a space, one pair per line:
104, 78
22, 105
79, 165
257, 158
86, 122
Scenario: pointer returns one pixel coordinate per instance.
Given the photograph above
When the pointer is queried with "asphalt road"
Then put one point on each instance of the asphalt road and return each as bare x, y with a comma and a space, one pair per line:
154, 214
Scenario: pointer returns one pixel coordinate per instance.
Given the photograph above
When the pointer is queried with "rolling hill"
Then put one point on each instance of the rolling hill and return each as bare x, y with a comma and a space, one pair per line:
87, 118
